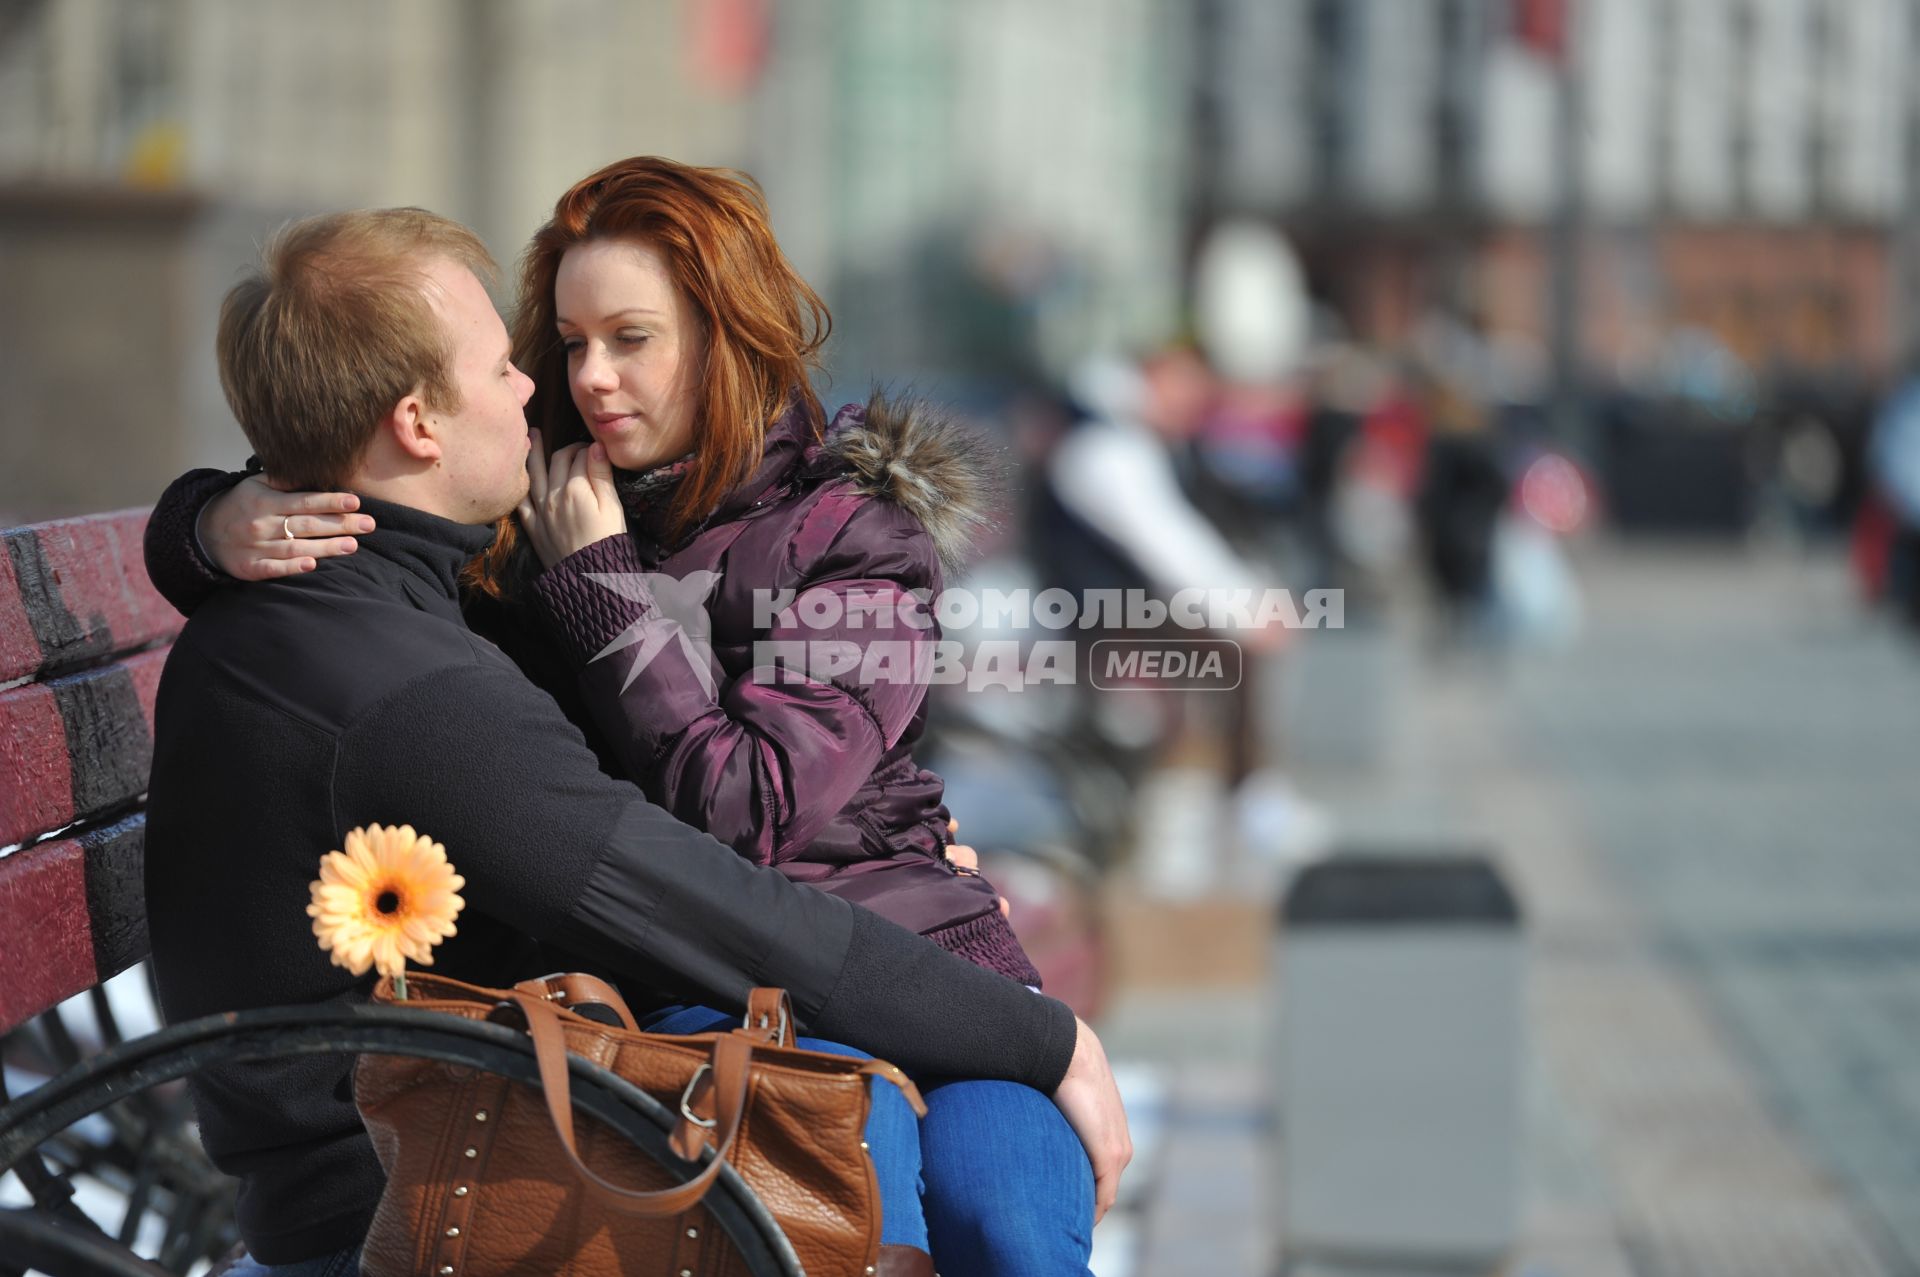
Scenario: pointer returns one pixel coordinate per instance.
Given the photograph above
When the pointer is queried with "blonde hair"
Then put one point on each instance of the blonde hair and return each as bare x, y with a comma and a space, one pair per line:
332, 330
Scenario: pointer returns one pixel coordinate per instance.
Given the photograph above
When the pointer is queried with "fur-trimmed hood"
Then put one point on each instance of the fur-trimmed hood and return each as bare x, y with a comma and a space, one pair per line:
917, 456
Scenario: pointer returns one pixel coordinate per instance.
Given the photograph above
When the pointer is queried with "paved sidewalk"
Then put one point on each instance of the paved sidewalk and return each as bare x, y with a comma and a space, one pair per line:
1738, 747
1709, 807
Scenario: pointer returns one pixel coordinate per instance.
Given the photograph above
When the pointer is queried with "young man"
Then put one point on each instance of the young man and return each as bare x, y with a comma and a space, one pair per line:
367, 356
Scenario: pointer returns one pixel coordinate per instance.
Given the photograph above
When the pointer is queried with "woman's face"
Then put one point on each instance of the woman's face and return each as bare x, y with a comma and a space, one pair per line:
633, 348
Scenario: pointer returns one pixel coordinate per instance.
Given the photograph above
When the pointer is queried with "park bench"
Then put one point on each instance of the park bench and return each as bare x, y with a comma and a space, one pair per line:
83, 637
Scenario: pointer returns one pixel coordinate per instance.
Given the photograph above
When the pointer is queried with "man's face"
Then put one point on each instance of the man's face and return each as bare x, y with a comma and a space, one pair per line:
484, 443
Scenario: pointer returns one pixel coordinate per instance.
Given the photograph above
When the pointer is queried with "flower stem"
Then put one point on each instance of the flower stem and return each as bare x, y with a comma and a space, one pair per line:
400, 985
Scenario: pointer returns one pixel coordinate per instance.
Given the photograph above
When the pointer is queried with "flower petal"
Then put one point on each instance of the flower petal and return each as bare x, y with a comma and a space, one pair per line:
377, 862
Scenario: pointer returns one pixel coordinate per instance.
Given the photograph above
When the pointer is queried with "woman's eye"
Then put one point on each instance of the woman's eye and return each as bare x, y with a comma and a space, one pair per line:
633, 339
571, 345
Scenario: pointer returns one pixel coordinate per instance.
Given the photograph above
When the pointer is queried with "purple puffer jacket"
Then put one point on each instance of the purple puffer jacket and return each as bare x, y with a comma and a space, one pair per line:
799, 756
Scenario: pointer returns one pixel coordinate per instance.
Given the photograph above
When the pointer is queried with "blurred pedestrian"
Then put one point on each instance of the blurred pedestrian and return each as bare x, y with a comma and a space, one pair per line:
1894, 463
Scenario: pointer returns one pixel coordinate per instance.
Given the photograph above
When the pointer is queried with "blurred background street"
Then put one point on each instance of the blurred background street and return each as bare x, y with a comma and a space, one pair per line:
1703, 804
1572, 345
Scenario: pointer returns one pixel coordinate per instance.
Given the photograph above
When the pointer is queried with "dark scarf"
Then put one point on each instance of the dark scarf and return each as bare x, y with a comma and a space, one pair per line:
647, 495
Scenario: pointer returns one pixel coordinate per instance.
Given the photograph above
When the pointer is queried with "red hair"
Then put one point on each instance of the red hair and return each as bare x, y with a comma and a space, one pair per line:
763, 326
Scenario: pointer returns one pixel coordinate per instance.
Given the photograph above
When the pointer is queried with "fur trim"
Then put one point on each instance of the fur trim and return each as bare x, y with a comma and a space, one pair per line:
916, 456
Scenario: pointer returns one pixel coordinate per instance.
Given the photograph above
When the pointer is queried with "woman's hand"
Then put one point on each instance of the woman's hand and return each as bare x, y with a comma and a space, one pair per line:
966, 861
1090, 1099
571, 501
255, 532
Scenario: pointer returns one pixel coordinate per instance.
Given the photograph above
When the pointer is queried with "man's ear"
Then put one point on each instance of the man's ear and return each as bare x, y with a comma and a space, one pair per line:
413, 429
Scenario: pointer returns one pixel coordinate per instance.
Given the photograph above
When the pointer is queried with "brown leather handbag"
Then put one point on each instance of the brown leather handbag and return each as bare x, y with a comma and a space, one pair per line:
488, 1176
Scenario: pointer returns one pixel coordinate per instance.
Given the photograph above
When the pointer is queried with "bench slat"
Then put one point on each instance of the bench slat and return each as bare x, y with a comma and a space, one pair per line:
75, 912
117, 894
74, 592
76, 748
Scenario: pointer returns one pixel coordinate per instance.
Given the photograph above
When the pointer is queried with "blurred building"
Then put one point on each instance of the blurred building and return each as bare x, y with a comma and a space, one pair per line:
482, 109
984, 190
147, 146
967, 183
982, 183
1742, 166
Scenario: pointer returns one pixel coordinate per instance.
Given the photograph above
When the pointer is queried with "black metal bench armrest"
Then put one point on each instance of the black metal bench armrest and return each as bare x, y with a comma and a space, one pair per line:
279, 1032
45, 1244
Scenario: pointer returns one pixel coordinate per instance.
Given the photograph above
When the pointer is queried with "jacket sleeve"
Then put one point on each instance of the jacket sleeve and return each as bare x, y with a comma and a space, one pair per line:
487, 764
766, 759
176, 564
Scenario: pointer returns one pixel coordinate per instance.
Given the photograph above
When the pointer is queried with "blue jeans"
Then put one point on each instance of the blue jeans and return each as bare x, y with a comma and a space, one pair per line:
994, 1176
1008, 1187
345, 1263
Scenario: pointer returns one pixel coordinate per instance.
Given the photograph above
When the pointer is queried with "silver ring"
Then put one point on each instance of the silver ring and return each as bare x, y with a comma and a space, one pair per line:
286, 526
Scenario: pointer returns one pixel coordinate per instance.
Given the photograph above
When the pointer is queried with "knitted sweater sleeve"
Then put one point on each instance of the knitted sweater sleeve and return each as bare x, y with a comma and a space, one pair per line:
766, 757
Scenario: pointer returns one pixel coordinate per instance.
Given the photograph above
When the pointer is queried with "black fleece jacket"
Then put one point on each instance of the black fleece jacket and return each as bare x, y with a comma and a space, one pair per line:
292, 711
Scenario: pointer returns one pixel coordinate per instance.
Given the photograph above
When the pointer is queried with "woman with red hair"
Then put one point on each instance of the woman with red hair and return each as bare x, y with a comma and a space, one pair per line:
730, 594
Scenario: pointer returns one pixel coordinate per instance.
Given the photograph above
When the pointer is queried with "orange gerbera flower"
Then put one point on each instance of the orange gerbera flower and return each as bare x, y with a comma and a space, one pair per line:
390, 896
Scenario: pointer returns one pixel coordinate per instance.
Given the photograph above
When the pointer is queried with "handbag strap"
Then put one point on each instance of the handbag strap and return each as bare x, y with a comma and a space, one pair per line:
770, 1020
769, 1015
891, 1073
576, 988
731, 1062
